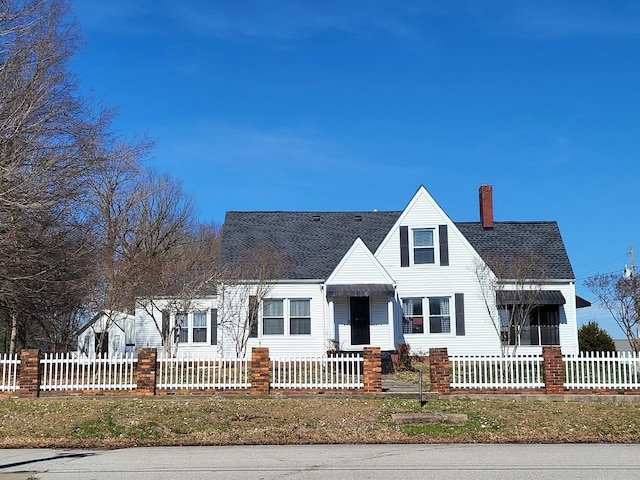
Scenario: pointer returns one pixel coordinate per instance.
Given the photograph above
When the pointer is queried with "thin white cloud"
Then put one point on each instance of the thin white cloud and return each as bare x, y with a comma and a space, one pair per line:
294, 151
289, 20
294, 20
565, 19
551, 18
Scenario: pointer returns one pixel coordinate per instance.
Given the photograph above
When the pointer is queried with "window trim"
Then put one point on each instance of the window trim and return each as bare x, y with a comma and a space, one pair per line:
423, 248
306, 317
441, 316
274, 317
190, 327
199, 328
286, 317
411, 317
182, 329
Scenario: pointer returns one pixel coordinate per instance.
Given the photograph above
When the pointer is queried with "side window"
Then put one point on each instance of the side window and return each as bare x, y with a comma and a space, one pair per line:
412, 317
423, 246
182, 323
199, 327
439, 315
273, 316
300, 317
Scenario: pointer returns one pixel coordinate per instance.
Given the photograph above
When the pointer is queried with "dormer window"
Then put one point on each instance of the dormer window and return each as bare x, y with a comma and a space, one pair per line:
423, 246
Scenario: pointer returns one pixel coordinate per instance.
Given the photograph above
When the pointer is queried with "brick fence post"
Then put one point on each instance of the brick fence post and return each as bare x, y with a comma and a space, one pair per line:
146, 371
30, 374
260, 376
372, 370
553, 372
439, 366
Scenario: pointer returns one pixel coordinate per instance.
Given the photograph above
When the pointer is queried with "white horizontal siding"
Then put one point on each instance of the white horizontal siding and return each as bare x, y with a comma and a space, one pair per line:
380, 334
313, 344
433, 280
359, 266
148, 333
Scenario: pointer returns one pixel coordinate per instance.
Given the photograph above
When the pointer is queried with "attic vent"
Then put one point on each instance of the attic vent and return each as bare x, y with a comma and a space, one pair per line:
358, 218
316, 218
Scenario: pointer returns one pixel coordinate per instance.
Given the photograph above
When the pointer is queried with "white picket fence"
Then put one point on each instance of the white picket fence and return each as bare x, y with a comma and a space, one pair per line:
602, 370
70, 372
342, 371
9, 372
202, 372
494, 371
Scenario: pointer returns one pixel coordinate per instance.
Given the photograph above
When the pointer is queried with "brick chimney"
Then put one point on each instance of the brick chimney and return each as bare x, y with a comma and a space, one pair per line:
486, 206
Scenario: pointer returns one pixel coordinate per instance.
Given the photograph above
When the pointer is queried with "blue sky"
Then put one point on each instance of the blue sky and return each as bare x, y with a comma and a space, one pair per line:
327, 105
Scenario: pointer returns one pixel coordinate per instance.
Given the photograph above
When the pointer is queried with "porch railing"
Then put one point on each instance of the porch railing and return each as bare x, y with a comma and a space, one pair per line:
9, 372
342, 371
73, 372
478, 371
202, 372
602, 370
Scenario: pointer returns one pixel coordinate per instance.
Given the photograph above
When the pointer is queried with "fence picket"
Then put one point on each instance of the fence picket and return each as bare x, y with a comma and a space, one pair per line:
9, 366
593, 370
187, 371
68, 372
492, 371
305, 372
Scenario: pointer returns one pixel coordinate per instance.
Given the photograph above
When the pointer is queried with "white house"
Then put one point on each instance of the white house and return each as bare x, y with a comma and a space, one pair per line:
107, 332
358, 279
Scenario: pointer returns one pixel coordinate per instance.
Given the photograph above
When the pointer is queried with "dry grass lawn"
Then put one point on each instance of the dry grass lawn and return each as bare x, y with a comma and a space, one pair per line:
108, 422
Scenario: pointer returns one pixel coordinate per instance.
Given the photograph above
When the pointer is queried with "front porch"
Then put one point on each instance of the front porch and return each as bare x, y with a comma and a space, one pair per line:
362, 315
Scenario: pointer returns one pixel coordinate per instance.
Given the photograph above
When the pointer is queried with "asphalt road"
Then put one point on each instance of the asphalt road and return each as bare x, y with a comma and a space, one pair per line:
407, 462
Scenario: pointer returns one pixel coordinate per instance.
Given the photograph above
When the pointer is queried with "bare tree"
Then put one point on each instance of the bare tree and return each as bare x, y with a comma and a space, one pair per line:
155, 254
244, 287
619, 295
510, 288
48, 140
175, 281
116, 190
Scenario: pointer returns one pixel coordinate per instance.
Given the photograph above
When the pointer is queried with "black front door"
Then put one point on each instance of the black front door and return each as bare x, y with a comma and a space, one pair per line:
360, 321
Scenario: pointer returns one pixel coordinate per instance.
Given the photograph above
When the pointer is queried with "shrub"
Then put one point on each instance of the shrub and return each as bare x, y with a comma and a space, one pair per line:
404, 358
592, 338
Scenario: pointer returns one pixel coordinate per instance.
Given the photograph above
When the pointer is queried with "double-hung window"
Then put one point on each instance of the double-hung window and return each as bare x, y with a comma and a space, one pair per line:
300, 317
182, 323
423, 246
273, 316
439, 315
412, 317
199, 327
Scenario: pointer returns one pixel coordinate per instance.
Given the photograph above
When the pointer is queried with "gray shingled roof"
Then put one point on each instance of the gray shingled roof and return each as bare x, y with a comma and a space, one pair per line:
540, 241
313, 243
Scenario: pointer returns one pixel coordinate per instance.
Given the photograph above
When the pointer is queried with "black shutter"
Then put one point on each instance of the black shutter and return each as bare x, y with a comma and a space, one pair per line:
253, 316
165, 324
214, 326
444, 245
460, 314
404, 246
